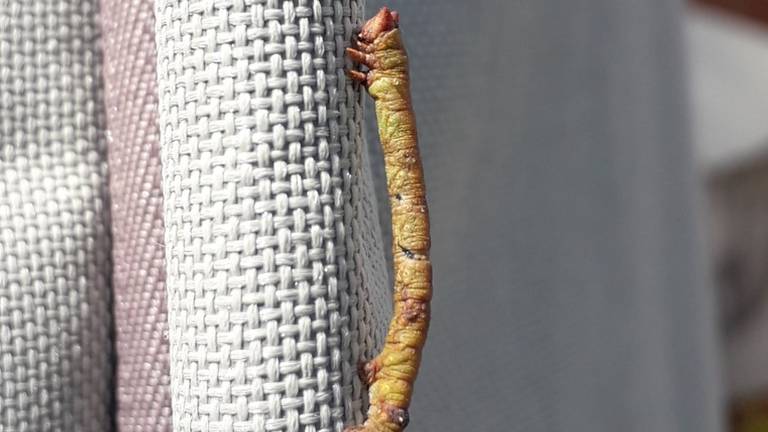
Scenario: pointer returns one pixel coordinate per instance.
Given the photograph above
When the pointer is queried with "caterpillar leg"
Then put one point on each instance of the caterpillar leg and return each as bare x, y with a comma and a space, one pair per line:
361, 57
359, 77
367, 371
391, 374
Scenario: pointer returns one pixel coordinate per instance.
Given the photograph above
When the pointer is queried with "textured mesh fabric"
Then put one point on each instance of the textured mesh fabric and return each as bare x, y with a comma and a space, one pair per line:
143, 377
55, 321
370, 276
274, 260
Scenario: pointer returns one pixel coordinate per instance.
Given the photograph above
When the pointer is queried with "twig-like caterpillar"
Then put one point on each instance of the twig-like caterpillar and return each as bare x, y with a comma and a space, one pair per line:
392, 372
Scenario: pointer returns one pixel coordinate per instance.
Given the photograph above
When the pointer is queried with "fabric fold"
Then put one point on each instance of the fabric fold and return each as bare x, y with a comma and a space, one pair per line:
143, 377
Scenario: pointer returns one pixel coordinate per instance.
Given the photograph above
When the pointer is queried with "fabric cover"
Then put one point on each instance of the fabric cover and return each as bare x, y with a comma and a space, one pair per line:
141, 322
55, 323
275, 273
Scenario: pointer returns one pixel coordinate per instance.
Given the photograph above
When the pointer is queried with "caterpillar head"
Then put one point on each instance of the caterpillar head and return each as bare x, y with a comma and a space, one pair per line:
384, 21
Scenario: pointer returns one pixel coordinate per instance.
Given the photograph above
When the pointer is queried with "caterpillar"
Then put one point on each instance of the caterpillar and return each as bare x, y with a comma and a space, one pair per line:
391, 374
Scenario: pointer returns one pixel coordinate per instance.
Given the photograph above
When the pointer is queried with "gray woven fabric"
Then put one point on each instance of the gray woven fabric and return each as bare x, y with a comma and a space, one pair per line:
141, 321
275, 267
55, 322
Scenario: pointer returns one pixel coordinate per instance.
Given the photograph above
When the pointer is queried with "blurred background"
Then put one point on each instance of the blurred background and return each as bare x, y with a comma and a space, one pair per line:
598, 174
728, 69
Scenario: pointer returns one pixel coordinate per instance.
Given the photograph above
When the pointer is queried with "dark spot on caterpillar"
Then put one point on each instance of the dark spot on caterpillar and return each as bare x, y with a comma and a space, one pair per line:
397, 415
413, 310
399, 197
407, 252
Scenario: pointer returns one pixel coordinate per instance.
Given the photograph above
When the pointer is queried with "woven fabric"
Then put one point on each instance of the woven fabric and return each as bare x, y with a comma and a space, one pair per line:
143, 375
55, 321
274, 260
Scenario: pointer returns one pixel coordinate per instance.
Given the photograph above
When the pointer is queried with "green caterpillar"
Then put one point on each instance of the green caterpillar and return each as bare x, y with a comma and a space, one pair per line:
391, 374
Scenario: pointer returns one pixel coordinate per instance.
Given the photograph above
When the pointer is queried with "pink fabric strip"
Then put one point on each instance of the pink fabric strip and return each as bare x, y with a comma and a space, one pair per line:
143, 384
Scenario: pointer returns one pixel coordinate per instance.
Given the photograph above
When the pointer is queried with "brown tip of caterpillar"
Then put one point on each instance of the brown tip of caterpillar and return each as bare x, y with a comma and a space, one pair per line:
384, 21
398, 416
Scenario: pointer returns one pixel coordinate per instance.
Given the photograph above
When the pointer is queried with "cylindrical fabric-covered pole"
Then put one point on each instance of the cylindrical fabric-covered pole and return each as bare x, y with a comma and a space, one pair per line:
141, 322
55, 321
275, 270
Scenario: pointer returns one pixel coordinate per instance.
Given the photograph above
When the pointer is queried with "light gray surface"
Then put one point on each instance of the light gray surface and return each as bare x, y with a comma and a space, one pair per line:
568, 267
55, 310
